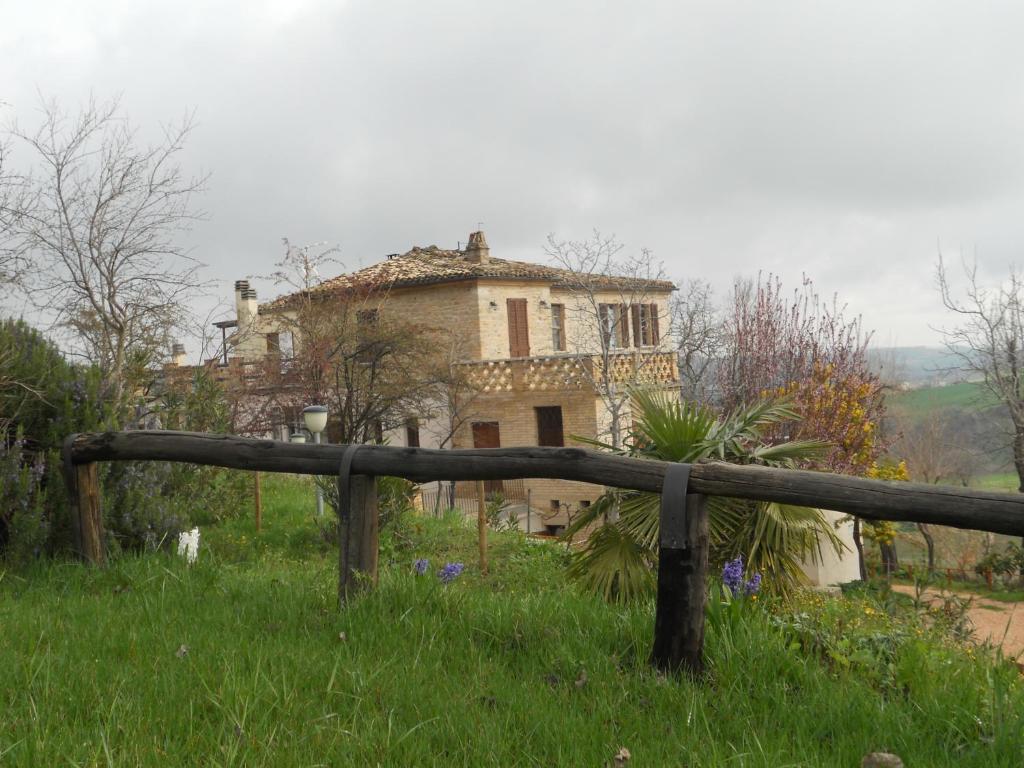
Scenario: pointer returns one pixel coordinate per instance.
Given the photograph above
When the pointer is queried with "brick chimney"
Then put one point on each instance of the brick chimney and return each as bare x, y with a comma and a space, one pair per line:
476, 249
178, 355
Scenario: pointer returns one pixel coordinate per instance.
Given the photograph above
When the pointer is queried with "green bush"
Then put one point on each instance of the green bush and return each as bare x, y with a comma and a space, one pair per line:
43, 399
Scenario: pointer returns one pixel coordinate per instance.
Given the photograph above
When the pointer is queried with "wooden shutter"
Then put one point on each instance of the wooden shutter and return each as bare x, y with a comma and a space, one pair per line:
486, 434
412, 433
549, 426
655, 333
518, 330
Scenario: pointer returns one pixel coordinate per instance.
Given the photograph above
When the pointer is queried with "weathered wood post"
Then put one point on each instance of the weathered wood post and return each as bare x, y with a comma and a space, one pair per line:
682, 576
83, 485
357, 530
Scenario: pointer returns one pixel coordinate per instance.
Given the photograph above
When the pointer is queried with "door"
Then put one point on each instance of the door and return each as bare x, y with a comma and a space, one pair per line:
486, 434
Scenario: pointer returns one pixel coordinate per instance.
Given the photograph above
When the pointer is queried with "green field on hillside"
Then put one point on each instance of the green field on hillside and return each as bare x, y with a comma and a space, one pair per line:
915, 403
244, 659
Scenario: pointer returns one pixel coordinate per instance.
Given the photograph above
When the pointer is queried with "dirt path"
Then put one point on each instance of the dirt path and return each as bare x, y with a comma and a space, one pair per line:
1001, 623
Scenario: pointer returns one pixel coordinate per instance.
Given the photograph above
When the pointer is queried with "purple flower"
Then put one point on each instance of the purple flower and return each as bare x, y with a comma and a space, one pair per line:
450, 572
732, 575
752, 585
421, 565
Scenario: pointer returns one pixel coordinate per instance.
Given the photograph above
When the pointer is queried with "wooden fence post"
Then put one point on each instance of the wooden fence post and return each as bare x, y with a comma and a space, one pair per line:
89, 513
682, 577
357, 530
83, 486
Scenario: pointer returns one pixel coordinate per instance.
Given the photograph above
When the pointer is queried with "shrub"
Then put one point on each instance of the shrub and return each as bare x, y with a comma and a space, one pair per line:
44, 398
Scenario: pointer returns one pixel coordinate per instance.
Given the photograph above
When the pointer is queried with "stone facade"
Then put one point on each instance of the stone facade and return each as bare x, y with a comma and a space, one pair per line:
468, 292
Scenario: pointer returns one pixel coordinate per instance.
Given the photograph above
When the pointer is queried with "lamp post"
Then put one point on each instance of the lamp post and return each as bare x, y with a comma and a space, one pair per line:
315, 417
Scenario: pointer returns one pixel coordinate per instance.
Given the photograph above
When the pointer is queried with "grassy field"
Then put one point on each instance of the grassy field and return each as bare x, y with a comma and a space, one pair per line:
915, 403
244, 660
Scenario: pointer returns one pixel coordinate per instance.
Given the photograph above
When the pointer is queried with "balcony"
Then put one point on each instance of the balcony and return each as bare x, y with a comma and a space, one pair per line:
572, 372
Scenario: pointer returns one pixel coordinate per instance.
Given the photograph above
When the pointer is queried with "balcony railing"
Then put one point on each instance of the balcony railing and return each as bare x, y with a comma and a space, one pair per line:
569, 372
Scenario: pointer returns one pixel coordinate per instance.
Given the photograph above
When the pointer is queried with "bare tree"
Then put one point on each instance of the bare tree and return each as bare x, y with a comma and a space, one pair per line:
371, 368
934, 454
700, 337
611, 288
989, 343
101, 214
13, 263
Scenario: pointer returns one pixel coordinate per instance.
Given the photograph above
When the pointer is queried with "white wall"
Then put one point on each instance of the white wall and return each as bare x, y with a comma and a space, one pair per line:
835, 569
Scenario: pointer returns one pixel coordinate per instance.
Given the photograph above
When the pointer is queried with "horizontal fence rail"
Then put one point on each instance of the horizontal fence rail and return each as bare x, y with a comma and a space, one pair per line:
683, 539
872, 499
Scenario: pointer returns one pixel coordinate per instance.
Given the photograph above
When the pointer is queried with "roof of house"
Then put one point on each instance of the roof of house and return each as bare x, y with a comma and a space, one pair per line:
432, 265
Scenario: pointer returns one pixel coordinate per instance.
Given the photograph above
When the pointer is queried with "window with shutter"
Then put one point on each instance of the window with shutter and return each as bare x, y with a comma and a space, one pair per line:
614, 320
487, 434
518, 330
549, 426
645, 325
412, 433
558, 327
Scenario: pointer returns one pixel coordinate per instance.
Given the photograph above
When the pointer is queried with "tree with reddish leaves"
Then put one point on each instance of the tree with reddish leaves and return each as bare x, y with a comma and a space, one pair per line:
806, 349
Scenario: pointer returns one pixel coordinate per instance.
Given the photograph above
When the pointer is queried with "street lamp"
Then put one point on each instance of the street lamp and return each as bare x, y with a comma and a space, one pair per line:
315, 417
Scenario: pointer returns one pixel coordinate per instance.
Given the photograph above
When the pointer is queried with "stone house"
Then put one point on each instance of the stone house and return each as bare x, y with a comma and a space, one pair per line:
548, 353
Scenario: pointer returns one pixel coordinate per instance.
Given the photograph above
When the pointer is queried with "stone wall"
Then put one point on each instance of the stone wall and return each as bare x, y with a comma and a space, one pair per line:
517, 423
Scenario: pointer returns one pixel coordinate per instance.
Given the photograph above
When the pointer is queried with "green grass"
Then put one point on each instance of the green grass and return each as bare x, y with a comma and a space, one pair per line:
998, 481
915, 403
244, 659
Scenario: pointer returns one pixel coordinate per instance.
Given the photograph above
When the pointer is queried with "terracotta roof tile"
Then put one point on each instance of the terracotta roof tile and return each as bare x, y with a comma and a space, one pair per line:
431, 265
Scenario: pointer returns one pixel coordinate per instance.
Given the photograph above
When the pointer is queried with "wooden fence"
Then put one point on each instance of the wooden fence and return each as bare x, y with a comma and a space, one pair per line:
683, 556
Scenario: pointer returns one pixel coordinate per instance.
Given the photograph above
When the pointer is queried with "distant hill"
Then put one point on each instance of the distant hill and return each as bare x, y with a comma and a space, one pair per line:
916, 366
973, 420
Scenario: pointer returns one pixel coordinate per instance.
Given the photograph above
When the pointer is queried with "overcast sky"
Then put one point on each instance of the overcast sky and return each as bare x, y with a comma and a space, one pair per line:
847, 141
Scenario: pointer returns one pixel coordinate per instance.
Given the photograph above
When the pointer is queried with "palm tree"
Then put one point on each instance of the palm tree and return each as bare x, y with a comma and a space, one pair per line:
619, 557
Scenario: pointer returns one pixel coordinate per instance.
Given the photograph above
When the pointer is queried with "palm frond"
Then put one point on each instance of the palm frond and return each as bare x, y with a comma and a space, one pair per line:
787, 453
614, 565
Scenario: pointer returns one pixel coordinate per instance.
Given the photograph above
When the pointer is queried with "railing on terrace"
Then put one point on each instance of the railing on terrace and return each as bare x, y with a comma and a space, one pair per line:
571, 371
683, 545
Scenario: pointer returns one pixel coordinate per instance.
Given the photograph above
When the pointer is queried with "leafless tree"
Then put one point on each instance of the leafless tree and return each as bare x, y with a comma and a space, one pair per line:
101, 215
989, 342
699, 332
934, 454
371, 368
603, 276
13, 263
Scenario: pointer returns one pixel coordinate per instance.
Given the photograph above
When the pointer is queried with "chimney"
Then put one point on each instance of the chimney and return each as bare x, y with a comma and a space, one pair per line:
476, 249
178, 355
246, 307
240, 285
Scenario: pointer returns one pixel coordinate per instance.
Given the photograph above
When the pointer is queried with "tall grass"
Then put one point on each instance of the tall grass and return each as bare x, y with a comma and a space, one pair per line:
244, 659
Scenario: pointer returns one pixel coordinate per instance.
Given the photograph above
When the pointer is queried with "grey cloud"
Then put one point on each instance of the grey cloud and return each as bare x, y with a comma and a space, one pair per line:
839, 140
